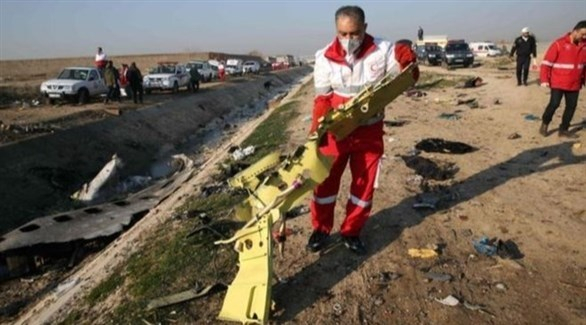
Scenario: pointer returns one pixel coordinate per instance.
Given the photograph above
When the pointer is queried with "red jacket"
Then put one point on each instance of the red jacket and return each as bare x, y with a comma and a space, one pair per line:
564, 64
336, 82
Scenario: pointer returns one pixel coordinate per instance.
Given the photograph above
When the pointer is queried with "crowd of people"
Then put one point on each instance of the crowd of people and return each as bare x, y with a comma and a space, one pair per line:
128, 78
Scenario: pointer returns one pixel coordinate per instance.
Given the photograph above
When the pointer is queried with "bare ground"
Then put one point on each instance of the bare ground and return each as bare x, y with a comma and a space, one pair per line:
529, 190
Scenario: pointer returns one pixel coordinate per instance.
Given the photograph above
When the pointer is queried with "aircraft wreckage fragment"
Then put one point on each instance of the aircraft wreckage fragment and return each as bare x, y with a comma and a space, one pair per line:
93, 222
276, 185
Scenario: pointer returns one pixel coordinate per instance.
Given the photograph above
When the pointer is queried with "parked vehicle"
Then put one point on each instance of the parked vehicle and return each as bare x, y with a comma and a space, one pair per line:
485, 49
251, 67
430, 54
234, 67
166, 76
75, 83
457, 52
204, 69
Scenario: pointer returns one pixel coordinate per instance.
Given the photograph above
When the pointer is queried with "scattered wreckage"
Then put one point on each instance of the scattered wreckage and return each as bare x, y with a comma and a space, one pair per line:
277, 185
63, 232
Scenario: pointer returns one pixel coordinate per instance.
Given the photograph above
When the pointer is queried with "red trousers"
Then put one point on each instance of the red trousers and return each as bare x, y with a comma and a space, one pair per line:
363, 149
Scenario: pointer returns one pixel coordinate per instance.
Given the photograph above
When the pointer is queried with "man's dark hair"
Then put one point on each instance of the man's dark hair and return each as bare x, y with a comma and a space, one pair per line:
353, 12
580, 25
99, 49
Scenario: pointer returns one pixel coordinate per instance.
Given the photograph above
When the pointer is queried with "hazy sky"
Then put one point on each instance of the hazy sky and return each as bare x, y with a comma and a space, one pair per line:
40, 29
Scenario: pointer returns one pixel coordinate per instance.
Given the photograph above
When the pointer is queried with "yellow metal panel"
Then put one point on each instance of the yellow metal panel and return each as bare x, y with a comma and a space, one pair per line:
249, 296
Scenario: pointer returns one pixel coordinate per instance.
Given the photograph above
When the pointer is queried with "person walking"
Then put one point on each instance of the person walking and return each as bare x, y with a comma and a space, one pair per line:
563, 70
525, 47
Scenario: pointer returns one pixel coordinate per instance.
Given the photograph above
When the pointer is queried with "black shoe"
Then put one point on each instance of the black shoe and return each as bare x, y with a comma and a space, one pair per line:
525, 84
354, 244
543, 129
518, 83
316, 240
567, 134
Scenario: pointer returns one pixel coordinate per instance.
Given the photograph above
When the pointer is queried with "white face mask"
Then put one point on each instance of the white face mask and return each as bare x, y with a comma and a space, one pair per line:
350, 45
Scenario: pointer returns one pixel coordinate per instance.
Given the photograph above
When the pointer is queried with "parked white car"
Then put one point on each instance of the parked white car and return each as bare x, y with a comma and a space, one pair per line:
485, 49
166, 76
251, 67
234, 67
75, 83
204, 69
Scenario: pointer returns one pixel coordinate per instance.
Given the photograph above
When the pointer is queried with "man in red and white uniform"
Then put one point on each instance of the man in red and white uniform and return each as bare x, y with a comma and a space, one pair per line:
563, 69
101, 59
353, 60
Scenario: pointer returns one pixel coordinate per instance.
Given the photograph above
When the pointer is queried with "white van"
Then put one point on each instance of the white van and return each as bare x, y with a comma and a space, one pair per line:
485, 49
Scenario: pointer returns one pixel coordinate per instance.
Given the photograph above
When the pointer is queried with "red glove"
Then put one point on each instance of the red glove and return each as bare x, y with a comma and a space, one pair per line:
405, 56
321, 106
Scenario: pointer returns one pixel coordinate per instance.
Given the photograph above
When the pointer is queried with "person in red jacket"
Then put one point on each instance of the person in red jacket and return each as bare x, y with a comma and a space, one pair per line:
101, 59
563, 69
353, 60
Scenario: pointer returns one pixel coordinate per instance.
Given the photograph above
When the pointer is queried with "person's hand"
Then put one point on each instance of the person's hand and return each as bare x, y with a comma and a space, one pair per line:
545, 84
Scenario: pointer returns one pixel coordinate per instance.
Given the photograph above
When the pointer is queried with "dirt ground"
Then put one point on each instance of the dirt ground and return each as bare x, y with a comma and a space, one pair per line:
529, 190
526, 188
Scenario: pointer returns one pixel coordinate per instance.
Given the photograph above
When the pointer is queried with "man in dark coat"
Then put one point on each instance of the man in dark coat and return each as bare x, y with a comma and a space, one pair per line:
135, 80
110, 77
524, 46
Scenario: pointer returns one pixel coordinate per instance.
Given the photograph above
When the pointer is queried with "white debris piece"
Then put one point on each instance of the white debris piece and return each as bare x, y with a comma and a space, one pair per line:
242, 153
449, 301
89, 191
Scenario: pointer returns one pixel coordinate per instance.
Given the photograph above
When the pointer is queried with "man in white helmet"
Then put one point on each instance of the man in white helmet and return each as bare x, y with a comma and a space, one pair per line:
525, 47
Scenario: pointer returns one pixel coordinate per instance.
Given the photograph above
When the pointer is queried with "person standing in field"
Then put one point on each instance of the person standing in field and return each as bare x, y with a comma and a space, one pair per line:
352, 61
563, 70
101, 59
134, 77
221, 71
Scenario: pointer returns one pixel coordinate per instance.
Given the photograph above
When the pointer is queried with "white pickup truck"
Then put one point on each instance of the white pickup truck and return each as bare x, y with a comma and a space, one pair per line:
166, 76
204, 69
74, 83
251, 67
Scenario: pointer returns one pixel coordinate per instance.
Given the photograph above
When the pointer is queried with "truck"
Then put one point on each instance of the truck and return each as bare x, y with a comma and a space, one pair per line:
166, 76
77, 84
457, 52
234, 67
429, 53
204, 68
251, 67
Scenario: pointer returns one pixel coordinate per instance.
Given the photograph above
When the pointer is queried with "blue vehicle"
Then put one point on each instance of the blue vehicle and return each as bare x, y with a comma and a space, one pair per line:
457, 52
